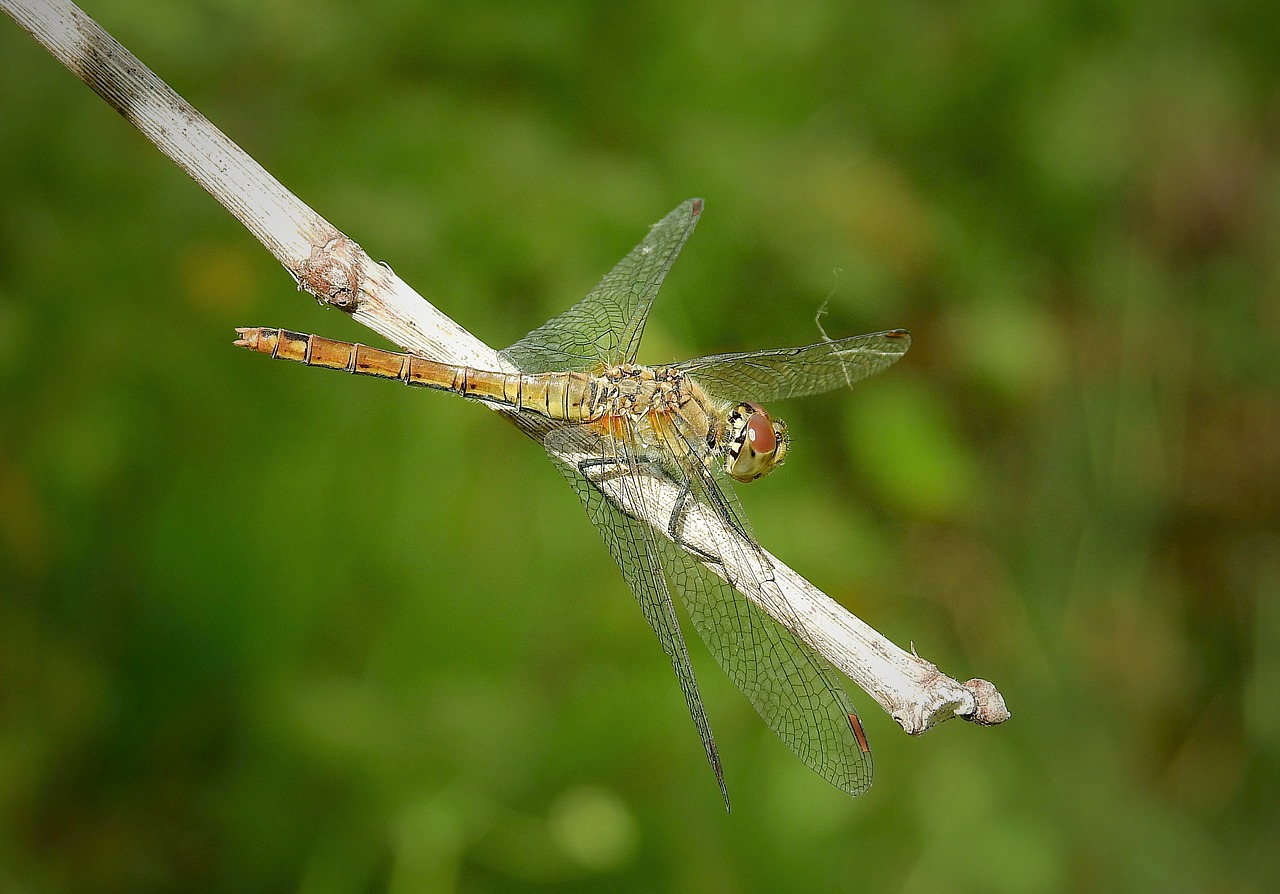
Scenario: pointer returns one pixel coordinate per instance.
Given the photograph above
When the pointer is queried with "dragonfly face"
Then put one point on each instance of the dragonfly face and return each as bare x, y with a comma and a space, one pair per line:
754, 443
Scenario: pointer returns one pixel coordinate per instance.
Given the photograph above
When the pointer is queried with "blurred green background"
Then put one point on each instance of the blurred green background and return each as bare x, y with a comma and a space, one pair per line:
252, 633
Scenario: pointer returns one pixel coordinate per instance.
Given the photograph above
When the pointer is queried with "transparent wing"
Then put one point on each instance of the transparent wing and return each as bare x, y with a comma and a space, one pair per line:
634, 546
605, 327
794, 690
796, 372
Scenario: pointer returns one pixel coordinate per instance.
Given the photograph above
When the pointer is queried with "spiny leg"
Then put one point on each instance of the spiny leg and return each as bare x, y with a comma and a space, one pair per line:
625, 464
717, 502
675, 521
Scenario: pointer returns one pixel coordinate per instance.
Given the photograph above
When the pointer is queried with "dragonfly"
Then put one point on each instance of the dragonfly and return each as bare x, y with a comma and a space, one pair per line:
612, 426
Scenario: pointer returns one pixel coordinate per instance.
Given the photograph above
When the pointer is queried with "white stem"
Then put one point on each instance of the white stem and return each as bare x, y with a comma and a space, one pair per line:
331, 266
911, 690
323, 260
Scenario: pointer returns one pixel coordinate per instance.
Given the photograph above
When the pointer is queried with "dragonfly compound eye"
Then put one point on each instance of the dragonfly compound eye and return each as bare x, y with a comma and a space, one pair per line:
757, 444
760, 433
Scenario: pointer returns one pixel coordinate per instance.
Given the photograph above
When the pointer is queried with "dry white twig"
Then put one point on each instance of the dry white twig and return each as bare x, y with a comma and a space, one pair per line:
329, 265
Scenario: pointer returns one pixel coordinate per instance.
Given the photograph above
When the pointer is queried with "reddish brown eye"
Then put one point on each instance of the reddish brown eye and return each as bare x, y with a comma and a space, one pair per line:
760, 433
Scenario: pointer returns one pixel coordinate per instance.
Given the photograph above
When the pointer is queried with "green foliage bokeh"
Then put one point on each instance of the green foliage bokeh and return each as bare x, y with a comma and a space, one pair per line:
267, 628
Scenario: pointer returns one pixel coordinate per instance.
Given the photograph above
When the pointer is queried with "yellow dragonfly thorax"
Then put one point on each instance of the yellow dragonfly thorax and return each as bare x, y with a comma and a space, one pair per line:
667, 409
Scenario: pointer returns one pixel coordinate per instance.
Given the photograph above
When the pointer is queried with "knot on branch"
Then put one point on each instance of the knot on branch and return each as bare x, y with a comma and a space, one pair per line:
989, 707
334, 271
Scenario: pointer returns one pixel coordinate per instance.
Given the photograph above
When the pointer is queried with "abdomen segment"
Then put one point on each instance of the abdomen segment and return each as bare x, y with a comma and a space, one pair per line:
567, 396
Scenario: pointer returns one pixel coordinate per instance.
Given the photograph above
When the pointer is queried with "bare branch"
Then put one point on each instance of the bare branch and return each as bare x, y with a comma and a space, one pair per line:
911, 690
331, 266
323, 260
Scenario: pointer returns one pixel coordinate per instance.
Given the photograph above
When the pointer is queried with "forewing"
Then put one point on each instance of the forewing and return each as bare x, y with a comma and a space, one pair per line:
606, 326
634, 546
797, 692
782, 373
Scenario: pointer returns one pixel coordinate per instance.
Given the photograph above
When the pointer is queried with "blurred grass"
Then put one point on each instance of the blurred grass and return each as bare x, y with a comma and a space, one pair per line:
252, 635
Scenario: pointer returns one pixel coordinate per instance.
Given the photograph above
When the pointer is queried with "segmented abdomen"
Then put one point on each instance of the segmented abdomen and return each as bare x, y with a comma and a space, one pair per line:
567, 396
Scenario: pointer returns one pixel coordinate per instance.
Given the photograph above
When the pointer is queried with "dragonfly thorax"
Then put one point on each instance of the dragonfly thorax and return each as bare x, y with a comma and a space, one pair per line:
672, 411
636, 391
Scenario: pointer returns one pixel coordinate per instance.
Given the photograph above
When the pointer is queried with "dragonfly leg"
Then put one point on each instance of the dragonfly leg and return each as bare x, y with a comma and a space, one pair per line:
621, 466
675, 522
678, 512
624, 465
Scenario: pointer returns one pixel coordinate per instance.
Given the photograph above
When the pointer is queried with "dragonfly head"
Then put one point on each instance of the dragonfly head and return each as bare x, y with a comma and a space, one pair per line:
755, 444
